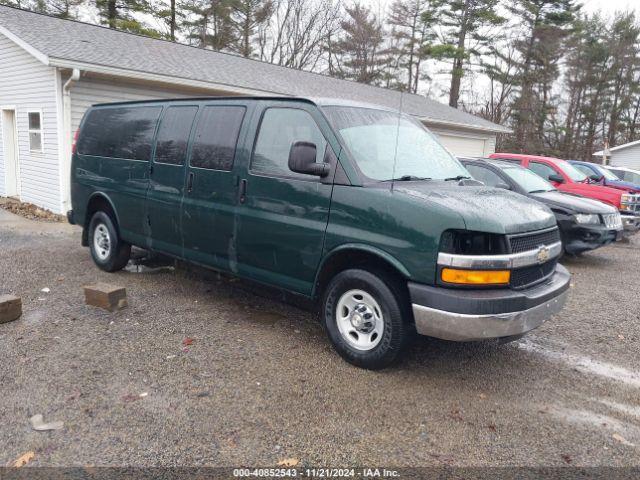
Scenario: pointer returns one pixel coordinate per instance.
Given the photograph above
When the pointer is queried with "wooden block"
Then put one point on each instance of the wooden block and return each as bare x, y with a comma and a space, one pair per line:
103, 295
10, 308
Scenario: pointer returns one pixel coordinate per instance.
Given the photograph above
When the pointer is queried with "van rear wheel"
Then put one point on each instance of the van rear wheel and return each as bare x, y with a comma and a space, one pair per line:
365, 315
108, 250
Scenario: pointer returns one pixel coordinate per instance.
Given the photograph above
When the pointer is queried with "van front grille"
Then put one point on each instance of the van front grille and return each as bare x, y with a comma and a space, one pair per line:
526, 276
531, 241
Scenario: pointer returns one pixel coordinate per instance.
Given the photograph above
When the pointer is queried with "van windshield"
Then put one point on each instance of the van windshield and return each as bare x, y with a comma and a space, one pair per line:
386, 145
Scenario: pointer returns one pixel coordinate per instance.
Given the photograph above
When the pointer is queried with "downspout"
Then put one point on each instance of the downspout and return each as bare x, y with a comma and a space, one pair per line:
68, 134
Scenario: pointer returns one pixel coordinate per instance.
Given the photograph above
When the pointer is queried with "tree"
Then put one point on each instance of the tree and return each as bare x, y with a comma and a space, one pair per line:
500, 68
545, 25
298, 32
467, 26
412, 35
359, 53
208, 23
247, 16
125, 15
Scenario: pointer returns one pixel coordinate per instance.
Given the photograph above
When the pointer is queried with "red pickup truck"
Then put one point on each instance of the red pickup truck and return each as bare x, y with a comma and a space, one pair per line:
567, 178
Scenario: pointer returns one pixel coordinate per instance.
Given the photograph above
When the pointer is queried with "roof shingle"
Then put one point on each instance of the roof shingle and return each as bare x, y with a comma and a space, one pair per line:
72, 41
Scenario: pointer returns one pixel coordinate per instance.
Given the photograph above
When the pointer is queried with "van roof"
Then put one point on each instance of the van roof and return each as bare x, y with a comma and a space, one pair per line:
319, 101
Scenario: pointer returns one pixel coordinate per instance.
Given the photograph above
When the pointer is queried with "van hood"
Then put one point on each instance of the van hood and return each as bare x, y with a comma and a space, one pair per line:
483, 209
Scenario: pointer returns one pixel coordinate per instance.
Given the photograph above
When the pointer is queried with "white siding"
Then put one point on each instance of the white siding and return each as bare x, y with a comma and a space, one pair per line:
91, 90
626, 157
28, 85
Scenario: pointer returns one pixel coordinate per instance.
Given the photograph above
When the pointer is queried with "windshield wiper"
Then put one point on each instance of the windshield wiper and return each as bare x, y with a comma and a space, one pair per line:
540, 191
407, 178
457, 179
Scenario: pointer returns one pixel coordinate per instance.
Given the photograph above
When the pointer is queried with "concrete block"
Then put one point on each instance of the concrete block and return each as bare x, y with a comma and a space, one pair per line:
10, 308
103, 295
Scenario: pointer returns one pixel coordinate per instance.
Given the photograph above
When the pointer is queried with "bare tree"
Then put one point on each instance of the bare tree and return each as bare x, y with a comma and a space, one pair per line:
298, 32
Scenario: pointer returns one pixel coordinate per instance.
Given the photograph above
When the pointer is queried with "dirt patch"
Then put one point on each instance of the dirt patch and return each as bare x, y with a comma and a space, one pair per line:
30, 211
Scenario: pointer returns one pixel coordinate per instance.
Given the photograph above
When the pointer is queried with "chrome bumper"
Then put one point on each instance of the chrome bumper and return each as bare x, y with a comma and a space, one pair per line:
464, 328
630, 223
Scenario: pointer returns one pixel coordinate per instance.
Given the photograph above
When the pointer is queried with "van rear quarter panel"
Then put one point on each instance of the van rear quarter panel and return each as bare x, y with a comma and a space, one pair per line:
389, 222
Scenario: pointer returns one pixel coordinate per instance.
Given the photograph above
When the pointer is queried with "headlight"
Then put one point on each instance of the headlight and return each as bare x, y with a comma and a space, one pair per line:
587, 218
625, 198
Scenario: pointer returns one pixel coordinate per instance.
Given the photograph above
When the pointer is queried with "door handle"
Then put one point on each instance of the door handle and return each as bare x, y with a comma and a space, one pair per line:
242, 193
190, 182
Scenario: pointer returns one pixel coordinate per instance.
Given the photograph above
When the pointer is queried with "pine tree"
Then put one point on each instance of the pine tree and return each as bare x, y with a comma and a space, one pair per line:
208, 23
359, 54
125, 15
412, 35
546, 23
467, 34
247, 16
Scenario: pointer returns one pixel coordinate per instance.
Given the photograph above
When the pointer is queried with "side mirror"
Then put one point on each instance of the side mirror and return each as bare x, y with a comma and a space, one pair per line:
596, 178
554, 177
502, 185
302, 159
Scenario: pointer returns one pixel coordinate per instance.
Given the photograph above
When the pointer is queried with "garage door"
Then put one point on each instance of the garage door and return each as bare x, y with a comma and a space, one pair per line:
463, 146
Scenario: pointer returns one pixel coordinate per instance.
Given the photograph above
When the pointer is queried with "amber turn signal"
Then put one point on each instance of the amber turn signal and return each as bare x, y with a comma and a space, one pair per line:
476, 277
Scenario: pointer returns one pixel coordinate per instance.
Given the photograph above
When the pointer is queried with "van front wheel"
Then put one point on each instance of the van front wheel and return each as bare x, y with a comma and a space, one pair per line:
364, 317
108, 250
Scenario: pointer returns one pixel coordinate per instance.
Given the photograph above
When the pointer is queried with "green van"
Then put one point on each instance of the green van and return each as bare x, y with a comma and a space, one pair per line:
355, 206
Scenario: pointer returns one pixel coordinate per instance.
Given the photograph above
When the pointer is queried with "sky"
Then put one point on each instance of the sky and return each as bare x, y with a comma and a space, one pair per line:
610, 6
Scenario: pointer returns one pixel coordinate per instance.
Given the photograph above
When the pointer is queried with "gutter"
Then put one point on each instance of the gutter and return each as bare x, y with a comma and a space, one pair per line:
67, 136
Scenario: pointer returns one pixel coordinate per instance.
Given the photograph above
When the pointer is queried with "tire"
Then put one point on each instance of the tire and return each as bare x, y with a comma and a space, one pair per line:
366, 318
109, 252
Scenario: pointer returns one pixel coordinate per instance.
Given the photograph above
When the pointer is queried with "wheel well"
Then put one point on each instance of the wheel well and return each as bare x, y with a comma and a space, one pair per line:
354, 258
96, 204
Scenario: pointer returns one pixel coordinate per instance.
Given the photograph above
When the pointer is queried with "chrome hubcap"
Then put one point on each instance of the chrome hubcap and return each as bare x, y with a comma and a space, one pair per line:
101, 241
359, 320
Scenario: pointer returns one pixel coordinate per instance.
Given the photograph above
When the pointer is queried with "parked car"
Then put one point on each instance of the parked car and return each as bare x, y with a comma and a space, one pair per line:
626, 174
566, 178
354, 206
599, 174
584, 224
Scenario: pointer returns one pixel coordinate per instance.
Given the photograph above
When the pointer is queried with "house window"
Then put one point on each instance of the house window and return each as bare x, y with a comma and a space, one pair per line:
35, 131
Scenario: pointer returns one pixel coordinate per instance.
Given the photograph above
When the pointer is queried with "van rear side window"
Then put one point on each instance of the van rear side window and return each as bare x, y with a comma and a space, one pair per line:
173, 135
124, 132
214, 144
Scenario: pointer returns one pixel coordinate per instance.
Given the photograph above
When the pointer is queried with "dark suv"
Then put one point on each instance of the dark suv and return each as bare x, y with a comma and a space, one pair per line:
585, 224
355, 206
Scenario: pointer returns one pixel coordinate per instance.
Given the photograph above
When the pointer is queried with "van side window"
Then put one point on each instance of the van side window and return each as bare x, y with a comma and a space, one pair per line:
214, 144
173, 134
542, 169
280, 128
122, 132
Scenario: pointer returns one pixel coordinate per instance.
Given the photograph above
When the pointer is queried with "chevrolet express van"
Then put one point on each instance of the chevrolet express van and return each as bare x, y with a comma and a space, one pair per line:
352, 205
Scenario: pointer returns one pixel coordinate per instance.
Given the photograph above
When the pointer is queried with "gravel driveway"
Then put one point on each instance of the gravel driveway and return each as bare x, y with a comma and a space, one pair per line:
260, 381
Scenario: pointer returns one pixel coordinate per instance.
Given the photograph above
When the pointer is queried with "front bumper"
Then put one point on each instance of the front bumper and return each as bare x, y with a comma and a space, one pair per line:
578, 238
468, 315
630, 223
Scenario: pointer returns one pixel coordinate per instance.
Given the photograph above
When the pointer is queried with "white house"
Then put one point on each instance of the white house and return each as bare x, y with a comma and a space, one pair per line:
626, 155
51, 70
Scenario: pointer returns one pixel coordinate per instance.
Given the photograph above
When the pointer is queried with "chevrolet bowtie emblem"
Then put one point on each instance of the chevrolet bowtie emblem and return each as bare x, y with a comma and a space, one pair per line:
543, 254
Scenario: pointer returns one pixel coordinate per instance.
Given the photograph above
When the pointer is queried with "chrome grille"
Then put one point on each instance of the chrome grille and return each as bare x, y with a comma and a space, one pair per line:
613, 221
633, 203
531, 241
